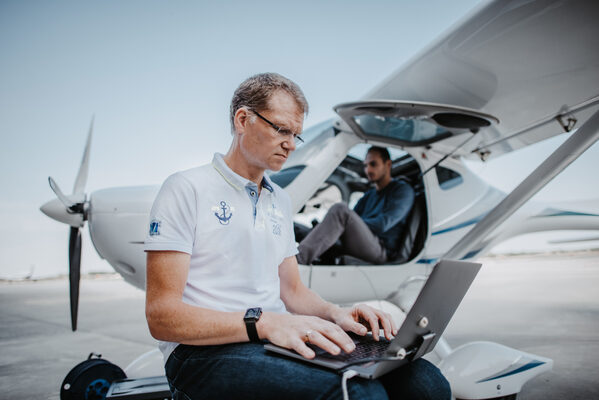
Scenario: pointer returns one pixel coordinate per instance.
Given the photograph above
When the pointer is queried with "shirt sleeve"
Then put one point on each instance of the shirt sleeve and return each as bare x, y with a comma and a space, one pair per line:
396, 207
173, 217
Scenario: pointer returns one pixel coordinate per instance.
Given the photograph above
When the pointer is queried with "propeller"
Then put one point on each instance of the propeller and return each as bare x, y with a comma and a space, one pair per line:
74, 273
72, 210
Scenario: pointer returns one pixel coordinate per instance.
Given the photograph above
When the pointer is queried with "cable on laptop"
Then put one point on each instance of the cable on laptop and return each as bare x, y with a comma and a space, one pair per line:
348, 374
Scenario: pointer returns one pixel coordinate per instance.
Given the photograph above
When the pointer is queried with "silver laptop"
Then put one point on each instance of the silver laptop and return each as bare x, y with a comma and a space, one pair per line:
419, 333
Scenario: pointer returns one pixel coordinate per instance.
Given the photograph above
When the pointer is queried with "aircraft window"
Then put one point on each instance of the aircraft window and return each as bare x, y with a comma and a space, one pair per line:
411, 130
448, 178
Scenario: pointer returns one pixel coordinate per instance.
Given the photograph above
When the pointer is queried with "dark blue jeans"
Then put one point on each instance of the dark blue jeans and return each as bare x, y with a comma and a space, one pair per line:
246, 371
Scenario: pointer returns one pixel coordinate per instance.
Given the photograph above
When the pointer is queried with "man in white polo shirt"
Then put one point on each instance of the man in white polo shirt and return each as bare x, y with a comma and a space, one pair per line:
222, 274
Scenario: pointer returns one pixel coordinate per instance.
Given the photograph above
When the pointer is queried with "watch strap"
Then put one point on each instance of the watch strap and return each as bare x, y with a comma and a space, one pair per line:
250, 327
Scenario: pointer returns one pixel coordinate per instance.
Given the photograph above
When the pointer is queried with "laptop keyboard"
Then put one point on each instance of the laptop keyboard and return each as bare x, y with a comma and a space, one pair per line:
366, 347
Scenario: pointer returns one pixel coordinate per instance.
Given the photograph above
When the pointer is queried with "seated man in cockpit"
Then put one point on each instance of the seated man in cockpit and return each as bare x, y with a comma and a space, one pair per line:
371, 231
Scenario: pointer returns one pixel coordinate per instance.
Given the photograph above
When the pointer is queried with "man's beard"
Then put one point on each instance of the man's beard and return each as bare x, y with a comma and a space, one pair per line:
374, 181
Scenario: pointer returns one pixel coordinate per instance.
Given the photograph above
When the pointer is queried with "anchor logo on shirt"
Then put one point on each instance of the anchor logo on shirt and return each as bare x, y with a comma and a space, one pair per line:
223, 213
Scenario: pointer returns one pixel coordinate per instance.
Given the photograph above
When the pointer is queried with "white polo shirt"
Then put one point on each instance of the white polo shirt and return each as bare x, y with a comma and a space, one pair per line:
236, 238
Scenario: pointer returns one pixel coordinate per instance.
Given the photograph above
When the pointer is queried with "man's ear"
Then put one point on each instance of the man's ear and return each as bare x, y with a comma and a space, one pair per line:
241, 119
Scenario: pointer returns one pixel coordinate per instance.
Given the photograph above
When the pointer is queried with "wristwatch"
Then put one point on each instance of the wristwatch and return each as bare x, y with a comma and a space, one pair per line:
252, 315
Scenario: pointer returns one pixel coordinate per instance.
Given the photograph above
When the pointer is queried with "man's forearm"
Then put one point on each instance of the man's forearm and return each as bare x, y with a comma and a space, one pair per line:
304, 301
175, 321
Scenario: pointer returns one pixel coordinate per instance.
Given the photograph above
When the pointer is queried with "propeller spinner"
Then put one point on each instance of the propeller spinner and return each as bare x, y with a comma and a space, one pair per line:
72, 210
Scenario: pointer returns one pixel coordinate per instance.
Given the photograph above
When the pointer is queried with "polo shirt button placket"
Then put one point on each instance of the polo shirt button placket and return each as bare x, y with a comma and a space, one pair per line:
260, 224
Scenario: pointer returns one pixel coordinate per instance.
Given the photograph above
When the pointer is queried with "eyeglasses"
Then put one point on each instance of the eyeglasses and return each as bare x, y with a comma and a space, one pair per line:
281, 131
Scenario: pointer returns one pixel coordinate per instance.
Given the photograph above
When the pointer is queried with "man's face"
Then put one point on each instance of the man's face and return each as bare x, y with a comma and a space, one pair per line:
261, 144
375, 168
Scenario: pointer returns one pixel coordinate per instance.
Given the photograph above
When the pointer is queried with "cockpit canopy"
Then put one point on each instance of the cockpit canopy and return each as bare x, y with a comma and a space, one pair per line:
410, 123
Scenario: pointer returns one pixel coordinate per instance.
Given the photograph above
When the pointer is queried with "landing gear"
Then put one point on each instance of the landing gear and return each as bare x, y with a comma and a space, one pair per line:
90, 380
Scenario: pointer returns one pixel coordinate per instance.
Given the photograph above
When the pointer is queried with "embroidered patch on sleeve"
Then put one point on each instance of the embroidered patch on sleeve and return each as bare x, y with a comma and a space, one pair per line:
154, 227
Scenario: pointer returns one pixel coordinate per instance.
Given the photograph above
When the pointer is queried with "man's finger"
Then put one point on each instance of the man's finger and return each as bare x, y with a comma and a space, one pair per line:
335, 334
317, 339
357, 328
385, 321
371, 318
374, 326
393, 324
299, 346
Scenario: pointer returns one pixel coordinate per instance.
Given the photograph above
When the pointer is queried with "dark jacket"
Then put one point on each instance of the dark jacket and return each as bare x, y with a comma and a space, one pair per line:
386, 211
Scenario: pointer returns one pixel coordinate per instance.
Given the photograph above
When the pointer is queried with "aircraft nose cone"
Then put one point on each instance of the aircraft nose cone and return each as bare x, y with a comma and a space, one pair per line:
57, 211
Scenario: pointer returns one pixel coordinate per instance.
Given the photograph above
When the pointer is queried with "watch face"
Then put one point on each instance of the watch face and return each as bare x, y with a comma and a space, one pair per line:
253, 313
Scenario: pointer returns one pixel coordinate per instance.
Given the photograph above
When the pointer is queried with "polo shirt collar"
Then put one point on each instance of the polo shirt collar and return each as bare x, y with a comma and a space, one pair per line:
234, 179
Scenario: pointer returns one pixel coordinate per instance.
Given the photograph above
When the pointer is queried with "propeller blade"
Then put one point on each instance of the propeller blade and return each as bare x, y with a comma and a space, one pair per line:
56, 189
74, 273
81, 179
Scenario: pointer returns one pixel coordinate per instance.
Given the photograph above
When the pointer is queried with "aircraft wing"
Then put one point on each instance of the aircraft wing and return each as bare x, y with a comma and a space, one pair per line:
533, 65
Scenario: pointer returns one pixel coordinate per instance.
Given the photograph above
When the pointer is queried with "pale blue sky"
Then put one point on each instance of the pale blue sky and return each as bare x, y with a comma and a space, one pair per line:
159, 76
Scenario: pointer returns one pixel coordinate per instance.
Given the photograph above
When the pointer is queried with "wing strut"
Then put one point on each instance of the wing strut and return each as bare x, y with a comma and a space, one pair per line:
563, 156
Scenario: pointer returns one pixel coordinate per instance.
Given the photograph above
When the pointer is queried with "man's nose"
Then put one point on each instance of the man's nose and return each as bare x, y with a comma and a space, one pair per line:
289, 143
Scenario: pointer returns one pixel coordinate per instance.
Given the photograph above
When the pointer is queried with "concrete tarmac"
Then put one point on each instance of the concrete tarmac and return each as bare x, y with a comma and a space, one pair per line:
542, 304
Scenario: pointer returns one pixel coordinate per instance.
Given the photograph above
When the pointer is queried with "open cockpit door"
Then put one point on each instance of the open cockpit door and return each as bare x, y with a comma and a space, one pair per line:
410, 124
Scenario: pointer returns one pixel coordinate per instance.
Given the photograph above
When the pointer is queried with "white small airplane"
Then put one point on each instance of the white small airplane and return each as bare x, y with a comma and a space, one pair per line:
511, 74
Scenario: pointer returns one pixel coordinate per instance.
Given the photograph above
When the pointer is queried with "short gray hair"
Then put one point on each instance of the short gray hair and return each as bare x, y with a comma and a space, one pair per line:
256, 90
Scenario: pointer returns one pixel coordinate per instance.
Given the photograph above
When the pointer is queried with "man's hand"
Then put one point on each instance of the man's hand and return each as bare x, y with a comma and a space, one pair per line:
362, 318
294, 331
